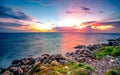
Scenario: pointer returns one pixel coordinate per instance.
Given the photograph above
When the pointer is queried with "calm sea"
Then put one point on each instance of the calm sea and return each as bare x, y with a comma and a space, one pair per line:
20, 45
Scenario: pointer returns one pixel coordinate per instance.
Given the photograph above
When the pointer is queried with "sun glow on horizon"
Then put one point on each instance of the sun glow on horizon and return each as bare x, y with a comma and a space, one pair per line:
104, 27
69, 22
38, 26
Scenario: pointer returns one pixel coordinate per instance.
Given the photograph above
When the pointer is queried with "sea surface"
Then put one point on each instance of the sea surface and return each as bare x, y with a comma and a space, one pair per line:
19, 45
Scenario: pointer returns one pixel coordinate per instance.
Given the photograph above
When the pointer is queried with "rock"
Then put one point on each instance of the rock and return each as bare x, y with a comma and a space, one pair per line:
24, 61
57, 57
53, 57
31, 61
54, 62
115, 62
25, 67
81, 59
16, 62
37, 59
68, 54
3, 70
62, 61
79, 46
8, 73
45, 61
37, 70
45, 56
27, 61
0, 70
114, 42
16, 70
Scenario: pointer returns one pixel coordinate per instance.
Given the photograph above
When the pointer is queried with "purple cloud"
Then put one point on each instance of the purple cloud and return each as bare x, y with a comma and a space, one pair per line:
85, 9
6, 12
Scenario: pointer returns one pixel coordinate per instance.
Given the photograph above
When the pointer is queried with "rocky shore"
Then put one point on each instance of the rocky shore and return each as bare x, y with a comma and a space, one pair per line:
82, 54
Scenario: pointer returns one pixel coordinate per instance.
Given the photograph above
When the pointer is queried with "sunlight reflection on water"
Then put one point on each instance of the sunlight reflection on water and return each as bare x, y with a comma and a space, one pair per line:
19, 45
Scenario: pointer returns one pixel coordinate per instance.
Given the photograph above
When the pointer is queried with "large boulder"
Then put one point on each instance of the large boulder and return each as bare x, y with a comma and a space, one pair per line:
16, 70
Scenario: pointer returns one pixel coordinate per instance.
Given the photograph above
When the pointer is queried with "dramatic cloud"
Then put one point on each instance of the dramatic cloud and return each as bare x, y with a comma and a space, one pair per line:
114, 23
112, 26
88, 29
112, 17
16, 20
91, 27
64, 29
9, 24
5, 29
89, 22
6, 12
86, 9
80, 10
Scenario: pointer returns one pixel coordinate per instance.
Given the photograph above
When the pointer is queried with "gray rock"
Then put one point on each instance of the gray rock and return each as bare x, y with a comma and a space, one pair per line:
8, 73
16, 70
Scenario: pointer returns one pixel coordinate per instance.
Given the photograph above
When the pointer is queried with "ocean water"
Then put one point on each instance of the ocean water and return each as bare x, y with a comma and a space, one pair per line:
19, 45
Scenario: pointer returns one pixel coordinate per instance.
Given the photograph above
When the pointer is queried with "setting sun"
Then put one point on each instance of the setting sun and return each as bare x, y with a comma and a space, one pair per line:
70, 22
41, 27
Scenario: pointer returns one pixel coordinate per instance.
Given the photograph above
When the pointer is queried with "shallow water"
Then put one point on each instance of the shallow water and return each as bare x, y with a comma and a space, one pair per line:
19, 45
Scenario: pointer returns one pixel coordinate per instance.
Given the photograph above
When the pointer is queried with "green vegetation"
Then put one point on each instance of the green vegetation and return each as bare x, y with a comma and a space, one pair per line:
113, 72
108, 50
70, 68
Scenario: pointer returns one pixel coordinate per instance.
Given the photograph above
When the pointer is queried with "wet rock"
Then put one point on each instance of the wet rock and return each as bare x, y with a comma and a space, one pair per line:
27, 61
68, 54
94, 47
45, 56
25, 67
8, 73
16, 62
79, 46
31, 61
114, 42
57, 57
16, 70
3, 70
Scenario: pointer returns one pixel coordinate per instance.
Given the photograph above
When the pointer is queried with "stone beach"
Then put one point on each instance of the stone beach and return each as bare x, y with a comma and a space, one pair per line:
82, 54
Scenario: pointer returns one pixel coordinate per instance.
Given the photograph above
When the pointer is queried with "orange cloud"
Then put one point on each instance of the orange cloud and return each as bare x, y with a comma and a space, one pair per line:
104, 27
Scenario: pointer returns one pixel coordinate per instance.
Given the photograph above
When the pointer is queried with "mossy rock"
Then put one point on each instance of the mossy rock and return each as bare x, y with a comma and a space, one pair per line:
107, 50
115, 71
70, 68
112, 72
80, 71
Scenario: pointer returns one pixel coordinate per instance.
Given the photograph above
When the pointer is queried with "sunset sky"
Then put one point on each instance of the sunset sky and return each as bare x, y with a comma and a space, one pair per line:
60, 16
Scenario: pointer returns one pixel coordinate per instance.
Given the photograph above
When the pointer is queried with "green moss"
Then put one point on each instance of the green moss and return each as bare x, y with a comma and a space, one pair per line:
70, 68
116, 51
107, 50
81, 65
88, 67
80, 71
115, 71
112, 72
